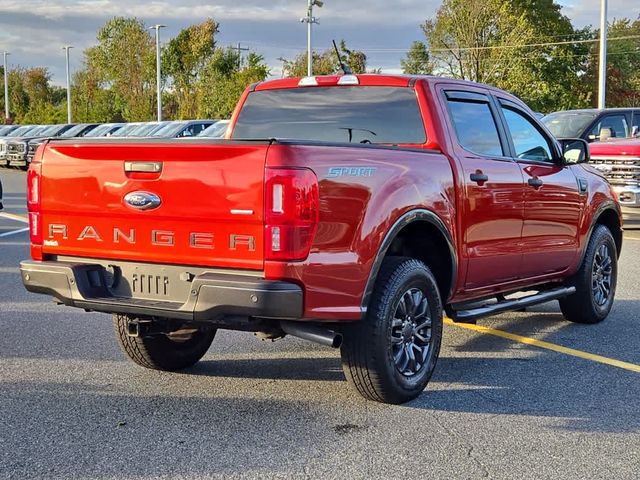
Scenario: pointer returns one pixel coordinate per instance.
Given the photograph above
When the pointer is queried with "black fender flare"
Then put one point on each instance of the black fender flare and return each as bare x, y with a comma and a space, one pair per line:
603, 207
417, 215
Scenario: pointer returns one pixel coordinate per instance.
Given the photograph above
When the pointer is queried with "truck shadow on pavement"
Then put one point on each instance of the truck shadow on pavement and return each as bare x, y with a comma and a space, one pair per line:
311, 369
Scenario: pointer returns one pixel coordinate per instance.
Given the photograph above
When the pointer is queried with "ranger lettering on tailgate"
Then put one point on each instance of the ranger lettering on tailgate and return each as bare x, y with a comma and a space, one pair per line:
163, 238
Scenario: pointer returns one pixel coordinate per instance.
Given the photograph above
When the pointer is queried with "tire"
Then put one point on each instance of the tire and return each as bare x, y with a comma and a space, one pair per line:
595, 281
160, 351
375, 351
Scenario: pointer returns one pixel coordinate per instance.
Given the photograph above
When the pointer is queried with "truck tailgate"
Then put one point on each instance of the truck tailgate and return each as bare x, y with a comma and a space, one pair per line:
171, 203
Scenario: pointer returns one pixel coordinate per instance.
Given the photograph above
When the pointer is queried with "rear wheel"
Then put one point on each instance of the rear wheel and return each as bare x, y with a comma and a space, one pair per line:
390, 355
595, 282
170, 351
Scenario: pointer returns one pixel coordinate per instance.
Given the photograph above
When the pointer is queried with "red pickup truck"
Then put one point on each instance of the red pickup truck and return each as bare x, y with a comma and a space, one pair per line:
348, 210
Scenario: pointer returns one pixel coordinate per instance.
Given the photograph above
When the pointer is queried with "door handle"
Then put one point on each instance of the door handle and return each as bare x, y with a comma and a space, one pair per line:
143, 167
479, 177
535, 182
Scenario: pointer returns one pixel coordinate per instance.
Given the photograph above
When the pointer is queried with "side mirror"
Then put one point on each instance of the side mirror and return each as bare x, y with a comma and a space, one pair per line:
592, 137
574, 151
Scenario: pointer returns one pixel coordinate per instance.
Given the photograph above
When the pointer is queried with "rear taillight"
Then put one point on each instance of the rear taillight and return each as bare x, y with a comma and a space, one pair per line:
34, 202
292, 213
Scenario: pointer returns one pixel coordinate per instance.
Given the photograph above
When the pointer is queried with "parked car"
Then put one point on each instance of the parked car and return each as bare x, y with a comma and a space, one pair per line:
347, 210
619, 162
79, 130
16, 134
594, 125
7, 129
146, 129
217, 130
18, 153
182, 128
104, 130
126, 128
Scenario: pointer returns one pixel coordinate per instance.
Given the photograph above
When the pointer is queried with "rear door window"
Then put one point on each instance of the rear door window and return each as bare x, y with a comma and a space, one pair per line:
386, 115
475, 125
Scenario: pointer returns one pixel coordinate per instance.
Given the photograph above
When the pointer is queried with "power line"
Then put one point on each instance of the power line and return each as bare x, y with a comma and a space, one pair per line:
498, 47
488, 47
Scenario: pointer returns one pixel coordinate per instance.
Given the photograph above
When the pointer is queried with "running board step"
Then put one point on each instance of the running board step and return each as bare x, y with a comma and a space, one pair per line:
473, 314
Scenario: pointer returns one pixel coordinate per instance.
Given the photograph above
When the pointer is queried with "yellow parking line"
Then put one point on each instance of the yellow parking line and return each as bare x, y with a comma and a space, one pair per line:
549, 346
17, 218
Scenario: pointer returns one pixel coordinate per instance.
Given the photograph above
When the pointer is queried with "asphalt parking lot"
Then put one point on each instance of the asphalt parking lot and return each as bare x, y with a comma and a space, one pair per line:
73, 407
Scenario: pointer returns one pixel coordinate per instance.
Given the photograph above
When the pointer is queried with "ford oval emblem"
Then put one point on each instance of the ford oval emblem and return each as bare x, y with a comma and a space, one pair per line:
142, 200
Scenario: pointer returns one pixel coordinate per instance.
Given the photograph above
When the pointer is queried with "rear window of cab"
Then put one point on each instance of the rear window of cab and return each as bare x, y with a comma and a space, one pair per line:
384, 115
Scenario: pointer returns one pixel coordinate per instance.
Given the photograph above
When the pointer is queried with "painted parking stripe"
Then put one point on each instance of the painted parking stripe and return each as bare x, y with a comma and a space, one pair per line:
14, 232
546, 345
17, 218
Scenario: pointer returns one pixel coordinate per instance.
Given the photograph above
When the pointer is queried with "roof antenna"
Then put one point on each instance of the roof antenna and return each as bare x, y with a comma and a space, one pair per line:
345, 69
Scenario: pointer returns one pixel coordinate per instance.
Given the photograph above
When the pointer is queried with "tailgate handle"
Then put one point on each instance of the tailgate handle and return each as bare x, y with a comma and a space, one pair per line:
144, 167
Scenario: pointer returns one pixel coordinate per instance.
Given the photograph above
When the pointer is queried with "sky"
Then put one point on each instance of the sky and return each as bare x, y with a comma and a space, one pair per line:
34, 31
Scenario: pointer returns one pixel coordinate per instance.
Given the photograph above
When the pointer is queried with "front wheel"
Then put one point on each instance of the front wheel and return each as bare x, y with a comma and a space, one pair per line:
171, 351
595, 282
390, 355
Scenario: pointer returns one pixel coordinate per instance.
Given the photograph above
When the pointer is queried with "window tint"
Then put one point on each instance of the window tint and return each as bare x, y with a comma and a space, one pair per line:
617, 125
475, 127
529, 143
333, 114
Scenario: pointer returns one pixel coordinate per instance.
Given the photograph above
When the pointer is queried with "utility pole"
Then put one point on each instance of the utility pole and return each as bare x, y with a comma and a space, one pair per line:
310, 20
158, 69
6, 88
240, 50
66, 48
602, 78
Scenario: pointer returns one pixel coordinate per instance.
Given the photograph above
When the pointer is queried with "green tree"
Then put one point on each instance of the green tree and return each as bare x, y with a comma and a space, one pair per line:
326, 63
91, 102
505, 43
32, 98
18, 98
417, 60
623, 65
221, 84
184, 59
124, 62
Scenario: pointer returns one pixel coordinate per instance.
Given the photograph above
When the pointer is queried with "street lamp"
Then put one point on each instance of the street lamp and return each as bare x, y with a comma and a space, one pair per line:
602, 77
310, 20
6, 88
66, 49
158, 85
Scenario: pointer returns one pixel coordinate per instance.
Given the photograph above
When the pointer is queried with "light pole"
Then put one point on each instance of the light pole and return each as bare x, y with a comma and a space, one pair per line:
602, 78
6, 88
310, 20
158, 72
66, 49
